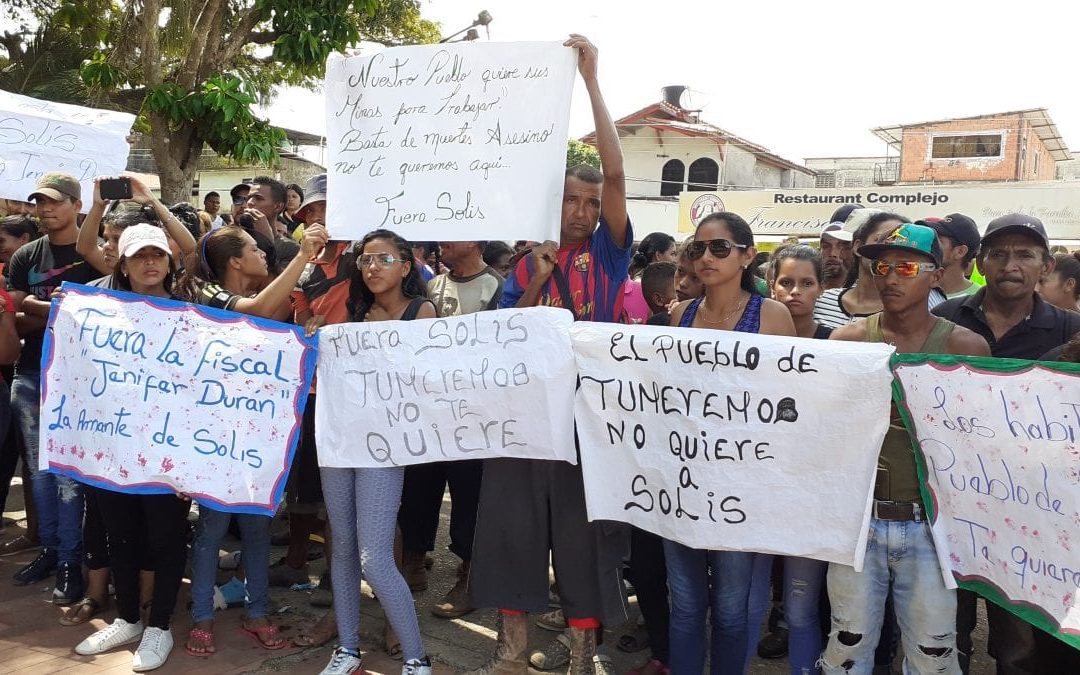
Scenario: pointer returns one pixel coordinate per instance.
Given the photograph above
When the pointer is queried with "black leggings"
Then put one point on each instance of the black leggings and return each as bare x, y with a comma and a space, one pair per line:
150, 528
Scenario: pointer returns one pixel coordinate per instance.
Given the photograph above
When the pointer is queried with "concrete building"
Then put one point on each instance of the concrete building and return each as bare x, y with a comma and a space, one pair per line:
846, 172
668, 149
1022, 145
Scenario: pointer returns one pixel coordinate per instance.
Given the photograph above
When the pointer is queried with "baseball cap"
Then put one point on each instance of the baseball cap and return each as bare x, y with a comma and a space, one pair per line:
907, 237
57, 185
836, 231
1018, 222
237, 189
841, 214
140, 236
955, 226
314, 191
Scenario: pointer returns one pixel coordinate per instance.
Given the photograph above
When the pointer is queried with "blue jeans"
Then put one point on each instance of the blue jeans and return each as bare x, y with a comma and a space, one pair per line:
701, 581
900, 557
803, 578
59, 499
255, 557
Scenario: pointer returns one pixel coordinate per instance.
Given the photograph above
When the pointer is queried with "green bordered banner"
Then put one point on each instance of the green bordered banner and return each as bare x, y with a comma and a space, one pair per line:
999, 466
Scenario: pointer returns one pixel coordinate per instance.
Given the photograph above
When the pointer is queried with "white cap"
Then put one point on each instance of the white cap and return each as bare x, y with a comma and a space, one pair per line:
858, 218
836, 231
140, 236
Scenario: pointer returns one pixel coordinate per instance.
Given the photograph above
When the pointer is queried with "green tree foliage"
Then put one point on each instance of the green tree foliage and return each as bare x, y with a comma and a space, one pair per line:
192, 69
581, 153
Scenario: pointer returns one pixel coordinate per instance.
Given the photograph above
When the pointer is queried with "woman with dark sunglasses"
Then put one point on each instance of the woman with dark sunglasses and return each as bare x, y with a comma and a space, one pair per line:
722, 251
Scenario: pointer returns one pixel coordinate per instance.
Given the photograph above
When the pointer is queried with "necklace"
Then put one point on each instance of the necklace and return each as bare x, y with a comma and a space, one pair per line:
724, 320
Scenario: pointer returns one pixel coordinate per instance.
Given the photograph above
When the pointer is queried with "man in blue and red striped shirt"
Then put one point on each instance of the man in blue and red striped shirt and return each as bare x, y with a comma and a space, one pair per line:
532, 508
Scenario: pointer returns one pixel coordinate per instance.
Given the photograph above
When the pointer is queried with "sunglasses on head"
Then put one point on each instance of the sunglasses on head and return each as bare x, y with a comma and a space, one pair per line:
907, 269
719, 248
239, 200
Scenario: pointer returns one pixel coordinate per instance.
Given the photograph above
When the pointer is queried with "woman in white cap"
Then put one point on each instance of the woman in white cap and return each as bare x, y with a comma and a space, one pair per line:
144, 530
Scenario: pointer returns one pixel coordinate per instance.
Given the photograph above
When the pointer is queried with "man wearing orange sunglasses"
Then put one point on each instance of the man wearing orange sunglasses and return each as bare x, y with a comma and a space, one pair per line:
900, 555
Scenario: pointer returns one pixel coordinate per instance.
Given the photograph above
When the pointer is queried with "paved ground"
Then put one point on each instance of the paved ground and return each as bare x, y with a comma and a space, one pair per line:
32, 641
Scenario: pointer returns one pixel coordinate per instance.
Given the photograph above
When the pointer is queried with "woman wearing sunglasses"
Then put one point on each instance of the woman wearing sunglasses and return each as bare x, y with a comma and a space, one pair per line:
362, 504
721, 252
230, 269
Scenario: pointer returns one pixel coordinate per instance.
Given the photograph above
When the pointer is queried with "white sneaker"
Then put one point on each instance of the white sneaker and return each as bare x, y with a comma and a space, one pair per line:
416, 667
117, 633
153, 650
342, 662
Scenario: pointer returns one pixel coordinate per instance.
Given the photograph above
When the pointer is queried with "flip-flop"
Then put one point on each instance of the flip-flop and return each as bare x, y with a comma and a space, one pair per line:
75, 615
263, 632
205, 637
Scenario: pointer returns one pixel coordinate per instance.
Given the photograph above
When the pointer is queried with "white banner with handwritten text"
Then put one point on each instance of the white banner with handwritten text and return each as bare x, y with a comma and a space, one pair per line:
735, 441
147, 395
449, 142
38, 136
490, 384
1000, 445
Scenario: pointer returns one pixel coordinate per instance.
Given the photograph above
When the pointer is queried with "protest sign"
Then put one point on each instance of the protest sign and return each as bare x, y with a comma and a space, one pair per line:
39, 136
492, 384
1001, 477
148, 395
737, 441
449, 142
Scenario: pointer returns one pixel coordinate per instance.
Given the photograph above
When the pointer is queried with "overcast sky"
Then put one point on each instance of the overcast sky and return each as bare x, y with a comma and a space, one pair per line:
804, 79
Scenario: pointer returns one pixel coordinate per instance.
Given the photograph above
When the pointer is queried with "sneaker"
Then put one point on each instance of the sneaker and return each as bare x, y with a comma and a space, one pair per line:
41, 568
69, 584
153, 650
118, 633
554, 654
342, 662
18, 545
416, 667
553, 621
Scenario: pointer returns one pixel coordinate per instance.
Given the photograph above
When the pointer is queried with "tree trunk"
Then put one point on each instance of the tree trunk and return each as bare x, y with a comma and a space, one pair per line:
177, 156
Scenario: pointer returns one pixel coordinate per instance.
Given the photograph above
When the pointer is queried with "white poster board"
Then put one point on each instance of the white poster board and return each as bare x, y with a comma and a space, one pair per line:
736, 441
489, 384
147, 395
1003, 475
38, 136
449, 142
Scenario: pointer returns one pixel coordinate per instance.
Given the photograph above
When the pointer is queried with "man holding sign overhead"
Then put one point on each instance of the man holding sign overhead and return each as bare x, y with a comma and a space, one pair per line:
532, 507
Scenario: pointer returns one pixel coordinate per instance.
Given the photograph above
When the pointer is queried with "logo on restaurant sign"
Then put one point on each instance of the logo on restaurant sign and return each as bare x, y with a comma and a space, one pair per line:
703, 206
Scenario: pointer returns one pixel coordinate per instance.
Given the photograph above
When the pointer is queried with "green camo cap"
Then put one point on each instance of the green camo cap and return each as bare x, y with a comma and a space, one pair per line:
907, 237
57, 185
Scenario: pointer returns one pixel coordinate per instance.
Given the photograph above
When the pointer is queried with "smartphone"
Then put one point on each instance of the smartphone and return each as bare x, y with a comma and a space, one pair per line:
115, 188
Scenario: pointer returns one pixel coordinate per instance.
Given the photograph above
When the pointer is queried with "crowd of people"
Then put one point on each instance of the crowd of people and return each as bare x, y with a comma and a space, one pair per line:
872, 276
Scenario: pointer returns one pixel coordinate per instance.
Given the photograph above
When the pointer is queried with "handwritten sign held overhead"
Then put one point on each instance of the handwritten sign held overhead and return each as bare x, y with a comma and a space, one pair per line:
449, 142
148, 395
998, 441
722, 440
39, 136
490, 384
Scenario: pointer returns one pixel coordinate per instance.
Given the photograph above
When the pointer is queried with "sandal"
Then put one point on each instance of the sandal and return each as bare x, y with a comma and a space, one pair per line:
202, 637
393, 644
324, 630
268, 635
80, 612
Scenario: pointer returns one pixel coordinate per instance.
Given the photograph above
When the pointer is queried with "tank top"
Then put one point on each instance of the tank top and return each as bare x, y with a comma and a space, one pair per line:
897, 476
749, 322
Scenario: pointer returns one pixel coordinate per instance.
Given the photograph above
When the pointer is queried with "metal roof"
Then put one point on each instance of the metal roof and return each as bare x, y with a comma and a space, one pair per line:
1038, 118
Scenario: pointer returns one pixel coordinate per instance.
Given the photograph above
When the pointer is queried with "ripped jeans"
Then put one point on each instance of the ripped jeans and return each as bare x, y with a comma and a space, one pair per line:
899, 556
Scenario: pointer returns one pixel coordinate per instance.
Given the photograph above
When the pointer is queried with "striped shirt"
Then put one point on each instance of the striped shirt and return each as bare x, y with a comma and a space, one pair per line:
829, 310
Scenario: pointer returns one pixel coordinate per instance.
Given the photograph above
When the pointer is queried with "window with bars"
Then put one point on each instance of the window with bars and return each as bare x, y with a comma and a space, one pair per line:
704, 175
671, 178
966, 147
825, 179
